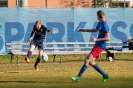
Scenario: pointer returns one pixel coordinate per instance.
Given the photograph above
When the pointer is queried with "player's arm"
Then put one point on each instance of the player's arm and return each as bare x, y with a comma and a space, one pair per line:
87, 30
106, 38
32, 33
49, 31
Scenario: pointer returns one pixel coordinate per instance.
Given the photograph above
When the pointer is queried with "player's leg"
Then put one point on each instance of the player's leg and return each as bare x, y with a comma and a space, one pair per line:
98, 69
31, 48
96, 53
29, 54
38, 58
83, 68
85, 65
40, 52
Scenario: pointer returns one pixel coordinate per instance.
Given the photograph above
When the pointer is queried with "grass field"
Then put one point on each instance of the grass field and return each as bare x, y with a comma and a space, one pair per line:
57, 75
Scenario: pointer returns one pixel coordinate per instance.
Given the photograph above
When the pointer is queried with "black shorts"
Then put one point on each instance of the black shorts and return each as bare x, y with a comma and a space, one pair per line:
38, 43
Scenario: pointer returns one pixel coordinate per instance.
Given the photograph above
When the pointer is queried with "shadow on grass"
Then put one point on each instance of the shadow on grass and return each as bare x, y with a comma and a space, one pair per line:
34, 82
19, 81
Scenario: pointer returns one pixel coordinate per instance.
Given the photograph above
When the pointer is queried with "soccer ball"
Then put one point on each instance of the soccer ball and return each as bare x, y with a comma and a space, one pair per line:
44, 57
110, 59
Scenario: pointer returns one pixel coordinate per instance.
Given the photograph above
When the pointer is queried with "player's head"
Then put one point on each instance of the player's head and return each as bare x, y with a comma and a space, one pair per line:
100, 15
38, 24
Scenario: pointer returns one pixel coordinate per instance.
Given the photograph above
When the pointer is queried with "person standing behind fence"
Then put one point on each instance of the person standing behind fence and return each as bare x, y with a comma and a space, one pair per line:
39, 32
100, 45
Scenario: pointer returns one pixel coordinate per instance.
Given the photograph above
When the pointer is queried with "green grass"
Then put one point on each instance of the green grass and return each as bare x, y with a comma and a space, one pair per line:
57, 75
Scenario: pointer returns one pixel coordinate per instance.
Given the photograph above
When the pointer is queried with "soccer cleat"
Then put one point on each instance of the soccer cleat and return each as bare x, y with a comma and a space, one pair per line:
36, 67
27, 60
75, 78
105, 77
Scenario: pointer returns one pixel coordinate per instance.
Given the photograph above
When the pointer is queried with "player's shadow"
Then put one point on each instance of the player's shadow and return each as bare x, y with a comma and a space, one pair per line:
18, 81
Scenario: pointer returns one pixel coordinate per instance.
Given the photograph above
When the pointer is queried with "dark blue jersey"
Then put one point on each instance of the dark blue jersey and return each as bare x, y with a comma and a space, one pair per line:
39, 34
103, 28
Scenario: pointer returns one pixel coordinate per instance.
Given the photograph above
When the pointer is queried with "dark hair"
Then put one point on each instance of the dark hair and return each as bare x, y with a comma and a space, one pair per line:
100, 13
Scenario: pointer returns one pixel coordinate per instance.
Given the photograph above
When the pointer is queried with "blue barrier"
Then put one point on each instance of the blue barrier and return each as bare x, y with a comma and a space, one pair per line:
16, 23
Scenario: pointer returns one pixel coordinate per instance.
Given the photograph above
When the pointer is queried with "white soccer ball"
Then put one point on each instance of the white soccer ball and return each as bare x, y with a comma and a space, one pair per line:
44, 57
110, 59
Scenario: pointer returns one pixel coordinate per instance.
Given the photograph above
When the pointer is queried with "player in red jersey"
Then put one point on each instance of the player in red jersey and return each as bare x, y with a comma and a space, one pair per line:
100, 45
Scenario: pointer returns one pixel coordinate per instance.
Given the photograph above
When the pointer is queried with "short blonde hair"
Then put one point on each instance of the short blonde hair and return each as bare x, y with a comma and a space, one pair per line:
100, 13
38, 22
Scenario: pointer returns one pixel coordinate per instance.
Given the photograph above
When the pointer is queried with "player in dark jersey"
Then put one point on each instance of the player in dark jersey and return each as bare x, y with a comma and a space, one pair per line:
39, 32
100, 44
